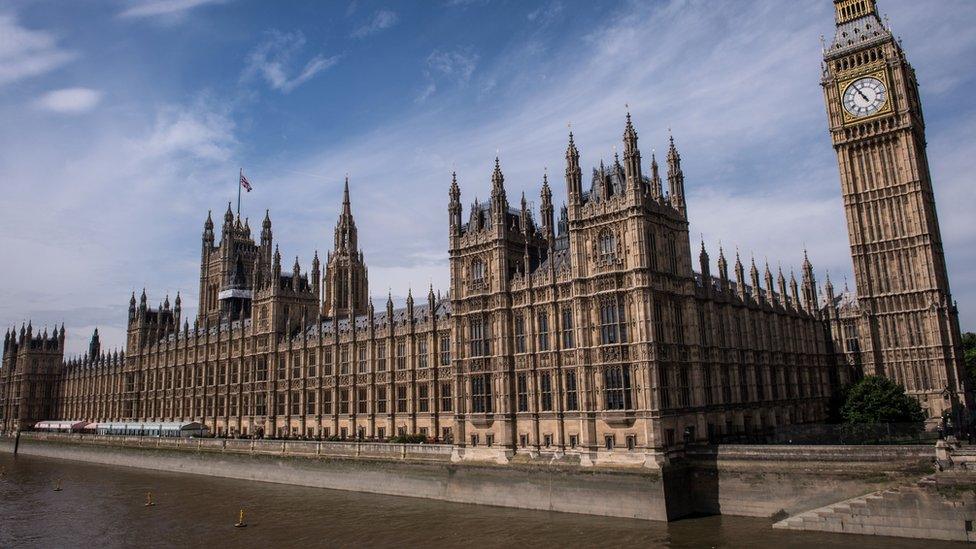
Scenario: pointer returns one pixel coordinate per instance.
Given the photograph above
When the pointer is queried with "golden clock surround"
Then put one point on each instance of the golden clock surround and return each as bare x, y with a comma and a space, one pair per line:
886, 108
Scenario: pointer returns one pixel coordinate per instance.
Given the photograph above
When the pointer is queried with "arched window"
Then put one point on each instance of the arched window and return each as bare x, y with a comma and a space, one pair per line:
478, 271
607, 244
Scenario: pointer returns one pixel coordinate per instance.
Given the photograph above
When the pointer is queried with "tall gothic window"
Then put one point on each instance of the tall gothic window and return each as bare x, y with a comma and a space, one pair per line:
401, 398
446, 396
381, 357
478, 271
445, 351
543, 325
401, 355
519, 333
481, 394
522, 390
672, 254
652, 248
478, 337
612, 322
545, 389
607, 244
567, 328
707, 385
422, 353
616, 388
361, 359
571, 392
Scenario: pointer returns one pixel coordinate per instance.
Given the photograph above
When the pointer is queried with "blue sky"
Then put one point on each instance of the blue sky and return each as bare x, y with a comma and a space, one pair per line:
124, 122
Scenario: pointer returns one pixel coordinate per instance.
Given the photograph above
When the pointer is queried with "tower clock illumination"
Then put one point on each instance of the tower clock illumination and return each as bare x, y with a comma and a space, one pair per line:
865, 96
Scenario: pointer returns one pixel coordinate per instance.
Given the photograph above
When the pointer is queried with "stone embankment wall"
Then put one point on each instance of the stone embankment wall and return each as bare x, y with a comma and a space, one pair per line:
419, 470
760, 481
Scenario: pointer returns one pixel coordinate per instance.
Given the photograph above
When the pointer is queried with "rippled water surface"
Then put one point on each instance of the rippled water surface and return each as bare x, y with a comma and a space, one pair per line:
101, 506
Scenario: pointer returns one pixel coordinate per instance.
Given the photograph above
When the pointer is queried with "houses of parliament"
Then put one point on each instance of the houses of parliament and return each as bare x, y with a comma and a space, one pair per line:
599, 328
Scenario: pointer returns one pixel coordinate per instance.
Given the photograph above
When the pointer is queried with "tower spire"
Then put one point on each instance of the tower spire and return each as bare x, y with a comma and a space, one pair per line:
676, 178
574, 176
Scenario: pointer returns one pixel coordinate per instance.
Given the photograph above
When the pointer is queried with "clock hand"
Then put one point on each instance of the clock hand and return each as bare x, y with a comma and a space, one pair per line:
859, 92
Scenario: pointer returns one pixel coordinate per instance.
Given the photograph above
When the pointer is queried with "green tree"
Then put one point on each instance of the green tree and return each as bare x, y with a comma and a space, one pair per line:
969, 354
877, 399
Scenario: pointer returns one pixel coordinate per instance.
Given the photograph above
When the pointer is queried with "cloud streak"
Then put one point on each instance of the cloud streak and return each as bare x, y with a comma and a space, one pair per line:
26, 53
273, 61
69, 100
167, 8
381, 21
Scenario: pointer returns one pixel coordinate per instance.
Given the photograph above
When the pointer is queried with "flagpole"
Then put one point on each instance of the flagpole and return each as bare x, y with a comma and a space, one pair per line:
241, 175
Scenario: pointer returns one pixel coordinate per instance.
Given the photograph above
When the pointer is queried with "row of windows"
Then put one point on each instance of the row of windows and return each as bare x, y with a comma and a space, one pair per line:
167, 379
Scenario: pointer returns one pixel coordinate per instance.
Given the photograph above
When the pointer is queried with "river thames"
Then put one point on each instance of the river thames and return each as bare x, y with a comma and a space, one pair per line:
100, 506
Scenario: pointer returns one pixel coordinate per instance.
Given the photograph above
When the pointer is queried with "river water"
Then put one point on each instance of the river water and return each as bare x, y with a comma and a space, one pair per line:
101, 506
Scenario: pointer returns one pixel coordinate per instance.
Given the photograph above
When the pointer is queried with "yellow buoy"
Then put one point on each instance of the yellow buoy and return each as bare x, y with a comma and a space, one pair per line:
240, 520
57, 488
149, 501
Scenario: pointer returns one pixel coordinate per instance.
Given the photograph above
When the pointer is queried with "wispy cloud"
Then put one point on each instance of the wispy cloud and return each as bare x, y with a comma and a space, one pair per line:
273, 60
26, 53
543, 15
455, 67
462, 3
167, 8
69, 100
382, 20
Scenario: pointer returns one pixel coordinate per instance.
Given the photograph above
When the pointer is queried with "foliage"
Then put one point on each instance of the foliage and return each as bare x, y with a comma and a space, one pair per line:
409, 439
877, 399
969, 355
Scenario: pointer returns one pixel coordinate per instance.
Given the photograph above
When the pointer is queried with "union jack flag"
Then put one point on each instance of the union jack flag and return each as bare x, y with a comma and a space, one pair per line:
245, 183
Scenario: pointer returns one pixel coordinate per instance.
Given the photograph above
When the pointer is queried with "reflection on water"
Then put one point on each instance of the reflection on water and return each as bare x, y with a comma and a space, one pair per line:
102, 506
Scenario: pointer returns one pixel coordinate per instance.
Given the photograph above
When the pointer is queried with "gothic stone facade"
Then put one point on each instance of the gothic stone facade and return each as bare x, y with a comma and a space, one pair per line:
593, 334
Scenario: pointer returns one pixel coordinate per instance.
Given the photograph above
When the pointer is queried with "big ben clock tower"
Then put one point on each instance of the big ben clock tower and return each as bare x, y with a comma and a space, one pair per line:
909, 328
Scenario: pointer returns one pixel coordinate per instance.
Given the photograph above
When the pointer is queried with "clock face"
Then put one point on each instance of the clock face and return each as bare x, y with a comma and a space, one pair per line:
865, 96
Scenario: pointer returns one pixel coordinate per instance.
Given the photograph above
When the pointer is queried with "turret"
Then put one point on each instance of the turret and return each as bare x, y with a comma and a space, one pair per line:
276, 267
296, 272
632, 159
208, 231
809, 286
499, 202
409, 305
574, 176
454, 207
829, 290
95, 345
794, 291
706, 274
723, 270
316, 275
770, 293
656, 186
266, 236
754, 280
781, 284
740, 278
132, 306
676, 179
228, 221
546, 211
